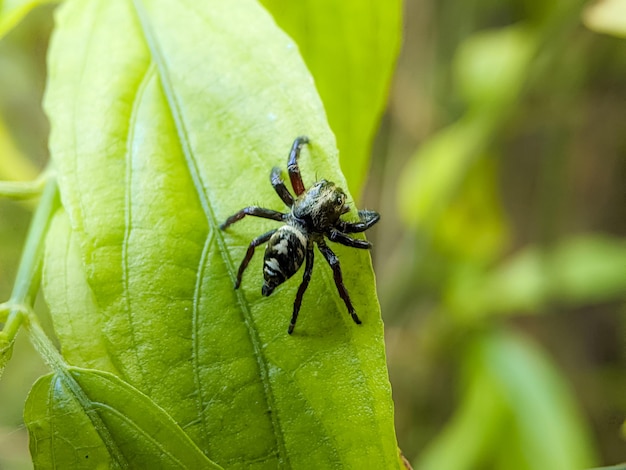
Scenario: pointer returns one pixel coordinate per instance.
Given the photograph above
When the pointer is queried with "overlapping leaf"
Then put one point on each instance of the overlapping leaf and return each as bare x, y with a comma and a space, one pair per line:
350, 47
166, 118
113, 424
13, 11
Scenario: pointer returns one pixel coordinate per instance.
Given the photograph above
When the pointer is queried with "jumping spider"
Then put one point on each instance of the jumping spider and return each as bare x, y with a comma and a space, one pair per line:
315, 213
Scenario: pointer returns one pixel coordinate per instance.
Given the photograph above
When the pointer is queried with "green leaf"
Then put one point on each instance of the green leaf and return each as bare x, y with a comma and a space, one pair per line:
90, 419
463, 443
589, 268
491, 66
6, 350
351, 48
14, 11
606, 16
77, 322
515, 402
548, 424
167, 117
518, 284
476, 213
6, 344
435, 173
580, 270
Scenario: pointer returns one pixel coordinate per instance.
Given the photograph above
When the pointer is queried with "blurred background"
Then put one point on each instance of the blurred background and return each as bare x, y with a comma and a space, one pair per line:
500, 172
499, 169
23, 154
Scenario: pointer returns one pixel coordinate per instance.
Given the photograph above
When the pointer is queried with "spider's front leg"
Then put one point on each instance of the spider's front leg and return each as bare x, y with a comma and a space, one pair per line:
253, 244
339, 237
279, 187
292, 165
367, 219
333, 261
255, 211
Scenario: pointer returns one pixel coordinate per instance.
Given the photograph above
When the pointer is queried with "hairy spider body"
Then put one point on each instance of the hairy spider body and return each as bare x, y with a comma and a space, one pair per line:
284, 255
315, 213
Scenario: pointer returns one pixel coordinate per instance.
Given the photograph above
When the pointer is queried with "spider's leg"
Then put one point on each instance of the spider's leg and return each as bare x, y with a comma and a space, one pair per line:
279, 186
334, 264
368, 218
335, 235
253, 244
292, 165
255, 211
308, 269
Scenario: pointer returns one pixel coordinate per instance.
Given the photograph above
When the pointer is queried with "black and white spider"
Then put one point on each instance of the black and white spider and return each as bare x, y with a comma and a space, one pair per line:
315, 213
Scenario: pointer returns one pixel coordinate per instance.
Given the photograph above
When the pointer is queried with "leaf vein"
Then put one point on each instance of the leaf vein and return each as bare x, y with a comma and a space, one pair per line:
195, 326
128, 216
69, 382
148, 436
194, 171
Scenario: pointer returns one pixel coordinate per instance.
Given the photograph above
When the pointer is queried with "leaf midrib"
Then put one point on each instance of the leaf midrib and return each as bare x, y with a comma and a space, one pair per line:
128, 214
214, 230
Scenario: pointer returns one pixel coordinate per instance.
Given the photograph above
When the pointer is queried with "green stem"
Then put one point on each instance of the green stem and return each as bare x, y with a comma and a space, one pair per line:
29, 270
23, 189
44, 346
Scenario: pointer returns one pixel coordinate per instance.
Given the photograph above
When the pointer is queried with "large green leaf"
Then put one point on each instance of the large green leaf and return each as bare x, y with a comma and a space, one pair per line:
90, 419
167, 117
350, 46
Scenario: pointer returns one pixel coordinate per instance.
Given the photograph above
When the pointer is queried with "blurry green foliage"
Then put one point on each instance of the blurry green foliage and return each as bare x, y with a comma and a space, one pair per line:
469, 239
578, 271
13, 164
606, 16
475, 206
515, 413
490, 70
13, 11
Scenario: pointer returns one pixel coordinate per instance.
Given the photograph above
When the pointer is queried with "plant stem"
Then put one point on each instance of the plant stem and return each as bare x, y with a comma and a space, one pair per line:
29, 270
23, 189
43, 345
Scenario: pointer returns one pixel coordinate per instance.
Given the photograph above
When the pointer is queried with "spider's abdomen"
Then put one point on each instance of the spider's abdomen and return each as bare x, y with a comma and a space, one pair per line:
284, 255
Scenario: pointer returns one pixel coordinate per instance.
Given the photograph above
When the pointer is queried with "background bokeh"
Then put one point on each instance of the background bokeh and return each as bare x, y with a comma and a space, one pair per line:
500, 172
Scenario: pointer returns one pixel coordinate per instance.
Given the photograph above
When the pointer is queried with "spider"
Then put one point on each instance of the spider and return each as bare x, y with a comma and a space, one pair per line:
314, 214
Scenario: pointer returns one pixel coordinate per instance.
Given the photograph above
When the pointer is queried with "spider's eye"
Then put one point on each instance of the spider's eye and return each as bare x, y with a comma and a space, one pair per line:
339, 200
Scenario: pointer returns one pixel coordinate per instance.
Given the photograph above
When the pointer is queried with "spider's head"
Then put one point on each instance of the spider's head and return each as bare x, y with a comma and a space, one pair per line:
322, 204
